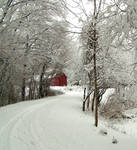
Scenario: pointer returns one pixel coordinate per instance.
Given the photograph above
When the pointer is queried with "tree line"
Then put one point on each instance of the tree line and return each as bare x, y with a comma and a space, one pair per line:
33, 47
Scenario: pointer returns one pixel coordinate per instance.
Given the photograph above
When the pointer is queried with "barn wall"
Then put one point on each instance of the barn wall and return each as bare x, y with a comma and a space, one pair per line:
59, 80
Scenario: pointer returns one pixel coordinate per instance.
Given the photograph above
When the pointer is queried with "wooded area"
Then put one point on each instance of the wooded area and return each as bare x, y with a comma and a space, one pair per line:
96, 47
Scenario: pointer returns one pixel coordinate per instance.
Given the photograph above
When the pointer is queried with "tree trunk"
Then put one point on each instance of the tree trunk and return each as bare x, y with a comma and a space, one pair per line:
95, 79
23, 84
84, 96
93, 102
23, 89
88, 101
11, 94
41, 88
94, 59
30, 90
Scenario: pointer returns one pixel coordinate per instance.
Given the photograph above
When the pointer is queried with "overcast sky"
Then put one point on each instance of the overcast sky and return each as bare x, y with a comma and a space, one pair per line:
80, 10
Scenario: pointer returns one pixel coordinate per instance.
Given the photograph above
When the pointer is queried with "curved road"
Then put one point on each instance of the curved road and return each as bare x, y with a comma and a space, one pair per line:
56, 123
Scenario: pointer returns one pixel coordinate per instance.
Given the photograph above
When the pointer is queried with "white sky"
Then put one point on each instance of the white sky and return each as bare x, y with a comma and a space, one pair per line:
81, 9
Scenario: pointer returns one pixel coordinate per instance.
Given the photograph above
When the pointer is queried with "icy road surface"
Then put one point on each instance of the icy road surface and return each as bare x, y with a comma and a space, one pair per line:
56, 123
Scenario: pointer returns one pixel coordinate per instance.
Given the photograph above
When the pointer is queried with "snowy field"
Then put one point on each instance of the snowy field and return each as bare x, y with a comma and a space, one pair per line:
58, 123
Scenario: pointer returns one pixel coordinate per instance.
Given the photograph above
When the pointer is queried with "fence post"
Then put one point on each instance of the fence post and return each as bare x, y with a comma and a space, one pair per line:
83, 108
84, 94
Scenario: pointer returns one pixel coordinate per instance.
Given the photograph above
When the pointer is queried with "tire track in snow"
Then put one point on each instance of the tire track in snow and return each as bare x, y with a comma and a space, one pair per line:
6, 131
35, 126
28, 124
27, 119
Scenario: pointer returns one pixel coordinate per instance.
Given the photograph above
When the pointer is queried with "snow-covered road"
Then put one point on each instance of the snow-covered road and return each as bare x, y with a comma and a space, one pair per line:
56, 123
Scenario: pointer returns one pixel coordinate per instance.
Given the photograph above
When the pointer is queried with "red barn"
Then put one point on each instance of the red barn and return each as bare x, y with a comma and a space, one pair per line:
60, 80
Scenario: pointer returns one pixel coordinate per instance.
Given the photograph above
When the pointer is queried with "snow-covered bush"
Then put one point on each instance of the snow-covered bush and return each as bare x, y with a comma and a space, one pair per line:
115, 106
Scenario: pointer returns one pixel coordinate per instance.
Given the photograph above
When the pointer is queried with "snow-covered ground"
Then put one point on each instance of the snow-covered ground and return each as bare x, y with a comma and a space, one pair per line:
57, 123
